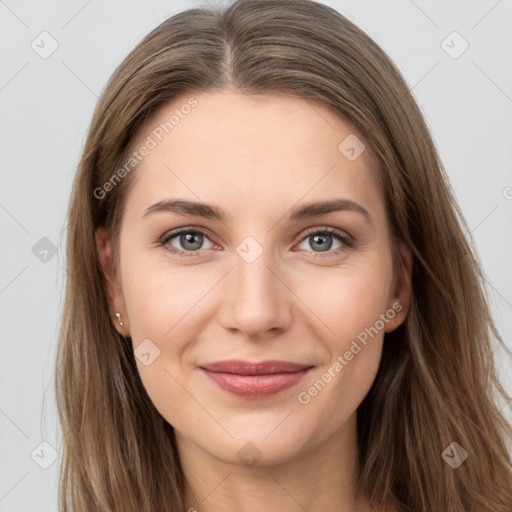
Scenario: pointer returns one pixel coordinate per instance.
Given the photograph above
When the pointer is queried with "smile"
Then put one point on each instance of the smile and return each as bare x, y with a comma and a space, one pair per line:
255, 380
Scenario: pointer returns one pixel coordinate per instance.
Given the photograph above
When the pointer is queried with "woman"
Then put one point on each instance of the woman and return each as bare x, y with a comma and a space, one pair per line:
212, 353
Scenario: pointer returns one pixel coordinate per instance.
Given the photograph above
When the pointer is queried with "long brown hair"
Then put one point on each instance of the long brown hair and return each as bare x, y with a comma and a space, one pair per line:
437, 382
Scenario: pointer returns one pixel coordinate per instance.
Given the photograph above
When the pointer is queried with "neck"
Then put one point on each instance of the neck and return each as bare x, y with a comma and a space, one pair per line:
317, 478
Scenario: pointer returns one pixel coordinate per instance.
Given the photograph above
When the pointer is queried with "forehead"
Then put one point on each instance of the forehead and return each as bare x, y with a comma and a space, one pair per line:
251, 151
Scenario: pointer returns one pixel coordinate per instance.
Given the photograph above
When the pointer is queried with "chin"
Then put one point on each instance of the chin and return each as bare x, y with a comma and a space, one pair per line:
256, 451
258, 439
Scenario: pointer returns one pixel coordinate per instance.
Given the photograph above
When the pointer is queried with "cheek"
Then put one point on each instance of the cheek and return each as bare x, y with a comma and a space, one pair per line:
351, 306
350, 302
349, 299
164, 306
162, 302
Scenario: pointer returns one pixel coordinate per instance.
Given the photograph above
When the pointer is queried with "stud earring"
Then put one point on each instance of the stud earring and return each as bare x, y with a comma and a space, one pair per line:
118, 316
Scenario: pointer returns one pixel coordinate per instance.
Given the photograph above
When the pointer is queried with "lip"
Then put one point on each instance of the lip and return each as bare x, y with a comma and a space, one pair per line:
255, 380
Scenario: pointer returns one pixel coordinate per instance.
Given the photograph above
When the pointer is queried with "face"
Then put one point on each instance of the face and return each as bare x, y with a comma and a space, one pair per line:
256, 276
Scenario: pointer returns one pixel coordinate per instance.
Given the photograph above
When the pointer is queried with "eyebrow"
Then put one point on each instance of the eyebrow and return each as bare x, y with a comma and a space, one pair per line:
306, 211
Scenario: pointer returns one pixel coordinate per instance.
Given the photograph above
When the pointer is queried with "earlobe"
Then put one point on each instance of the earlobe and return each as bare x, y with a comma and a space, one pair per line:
111, 287
401, 300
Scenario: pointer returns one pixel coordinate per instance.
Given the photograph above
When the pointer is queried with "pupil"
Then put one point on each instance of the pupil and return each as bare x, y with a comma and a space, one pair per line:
322, 237
188, 238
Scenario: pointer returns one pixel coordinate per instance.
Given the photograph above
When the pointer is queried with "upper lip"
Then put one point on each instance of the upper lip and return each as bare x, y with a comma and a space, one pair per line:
258, 368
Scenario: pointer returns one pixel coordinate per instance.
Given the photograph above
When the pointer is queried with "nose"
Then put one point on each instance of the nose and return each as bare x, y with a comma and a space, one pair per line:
255, 297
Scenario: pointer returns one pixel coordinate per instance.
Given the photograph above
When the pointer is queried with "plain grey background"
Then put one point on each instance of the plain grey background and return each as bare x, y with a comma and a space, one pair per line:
46, 105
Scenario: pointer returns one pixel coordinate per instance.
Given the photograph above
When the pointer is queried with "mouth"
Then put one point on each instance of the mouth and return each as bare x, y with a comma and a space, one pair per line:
255, 380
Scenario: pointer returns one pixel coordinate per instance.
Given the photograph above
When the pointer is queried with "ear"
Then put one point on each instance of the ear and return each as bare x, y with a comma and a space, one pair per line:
400, 300
111, 282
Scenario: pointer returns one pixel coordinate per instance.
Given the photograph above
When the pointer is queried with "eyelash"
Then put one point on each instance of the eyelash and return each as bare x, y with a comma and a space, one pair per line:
339, 235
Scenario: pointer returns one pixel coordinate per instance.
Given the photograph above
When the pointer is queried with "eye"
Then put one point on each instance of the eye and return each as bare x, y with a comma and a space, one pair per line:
191, 241
321, 241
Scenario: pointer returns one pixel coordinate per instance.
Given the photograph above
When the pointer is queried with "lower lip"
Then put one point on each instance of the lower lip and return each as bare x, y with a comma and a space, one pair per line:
256, 386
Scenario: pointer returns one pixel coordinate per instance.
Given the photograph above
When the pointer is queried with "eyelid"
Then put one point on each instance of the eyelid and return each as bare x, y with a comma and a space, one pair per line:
337, 233
328, 229
165, 239
346, 240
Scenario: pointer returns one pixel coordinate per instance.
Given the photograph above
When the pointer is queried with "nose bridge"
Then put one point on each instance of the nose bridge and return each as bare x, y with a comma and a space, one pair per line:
255, 298
252, 268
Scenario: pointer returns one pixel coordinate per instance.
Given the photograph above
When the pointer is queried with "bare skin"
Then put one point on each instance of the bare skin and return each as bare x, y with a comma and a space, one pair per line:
258, 159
